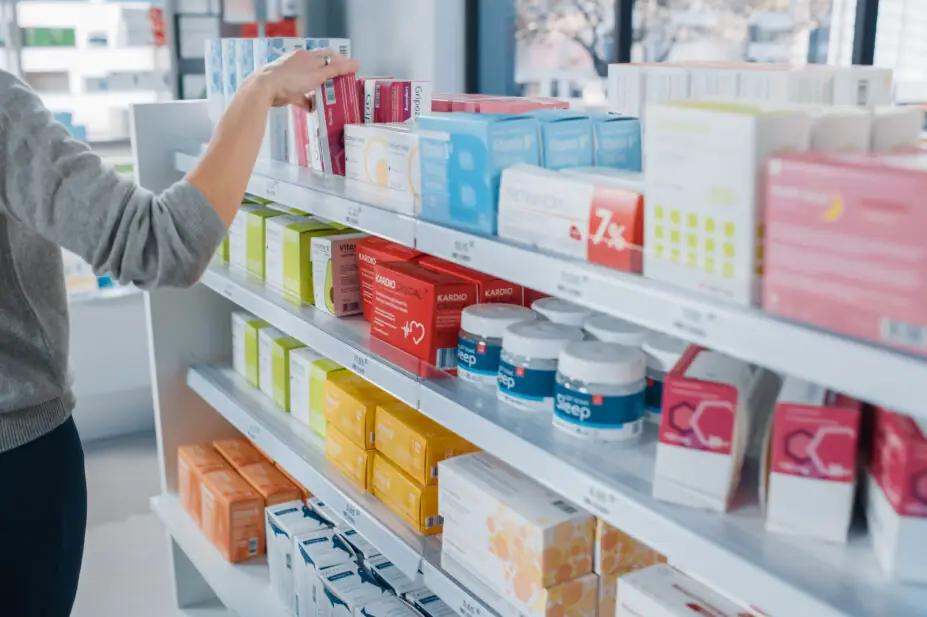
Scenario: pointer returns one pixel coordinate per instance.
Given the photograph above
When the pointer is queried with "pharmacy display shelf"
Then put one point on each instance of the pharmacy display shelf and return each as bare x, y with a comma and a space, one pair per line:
777, 574
91, 60
346, 341
243, 588
331, 197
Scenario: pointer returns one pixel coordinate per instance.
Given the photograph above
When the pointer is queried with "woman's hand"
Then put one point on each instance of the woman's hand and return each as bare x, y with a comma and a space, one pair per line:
293, 77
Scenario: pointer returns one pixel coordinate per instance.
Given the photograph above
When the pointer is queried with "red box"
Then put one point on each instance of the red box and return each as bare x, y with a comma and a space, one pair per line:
490, 288
844, 246
418, 311
336, 105
899, 462
371, 251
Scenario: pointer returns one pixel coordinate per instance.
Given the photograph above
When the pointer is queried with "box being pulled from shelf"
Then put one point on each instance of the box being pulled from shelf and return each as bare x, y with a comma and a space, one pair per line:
662, 591
285, 522
313, 554
336, 106
808, 479
712, 405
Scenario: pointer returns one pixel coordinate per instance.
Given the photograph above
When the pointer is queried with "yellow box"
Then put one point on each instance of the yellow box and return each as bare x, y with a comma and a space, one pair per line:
350, 407
415, 443
347, 456
617, 553
417, 504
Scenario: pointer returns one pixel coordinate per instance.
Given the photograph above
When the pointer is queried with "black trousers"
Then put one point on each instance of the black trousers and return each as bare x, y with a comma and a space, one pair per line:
43, 519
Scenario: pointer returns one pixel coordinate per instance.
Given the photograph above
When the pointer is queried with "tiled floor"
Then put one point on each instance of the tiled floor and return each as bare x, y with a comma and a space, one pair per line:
126, 560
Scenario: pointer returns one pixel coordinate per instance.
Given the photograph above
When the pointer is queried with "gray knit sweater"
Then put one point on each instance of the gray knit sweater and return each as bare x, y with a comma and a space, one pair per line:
55, 193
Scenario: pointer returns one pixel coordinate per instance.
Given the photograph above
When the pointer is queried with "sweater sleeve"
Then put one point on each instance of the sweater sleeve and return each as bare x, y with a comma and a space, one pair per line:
57, 187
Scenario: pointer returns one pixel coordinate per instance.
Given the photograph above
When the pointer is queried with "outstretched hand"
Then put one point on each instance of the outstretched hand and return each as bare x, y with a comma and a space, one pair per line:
293, 77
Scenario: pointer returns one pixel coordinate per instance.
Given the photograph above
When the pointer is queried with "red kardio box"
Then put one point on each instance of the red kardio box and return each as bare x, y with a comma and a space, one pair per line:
336, 105
489, 288
373, 250
418, 311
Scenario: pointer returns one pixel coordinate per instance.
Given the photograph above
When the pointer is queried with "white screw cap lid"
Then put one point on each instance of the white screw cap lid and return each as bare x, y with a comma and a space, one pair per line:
561, 311
613, 330
491, 320
539, 339
663, 351
604, 363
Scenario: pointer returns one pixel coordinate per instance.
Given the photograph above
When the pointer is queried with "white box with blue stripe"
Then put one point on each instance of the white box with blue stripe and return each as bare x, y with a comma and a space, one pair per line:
283, 523
313, 554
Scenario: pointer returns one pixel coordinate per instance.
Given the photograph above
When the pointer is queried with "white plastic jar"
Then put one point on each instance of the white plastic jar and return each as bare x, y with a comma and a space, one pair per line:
528, 363
600, 391
479, 343
663, 352
610, 329
562, 312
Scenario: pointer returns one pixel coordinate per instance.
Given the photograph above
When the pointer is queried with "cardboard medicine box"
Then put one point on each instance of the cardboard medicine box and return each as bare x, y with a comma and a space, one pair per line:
232, 515
414, 502
371, 251
194, 461
336, 106
335, 278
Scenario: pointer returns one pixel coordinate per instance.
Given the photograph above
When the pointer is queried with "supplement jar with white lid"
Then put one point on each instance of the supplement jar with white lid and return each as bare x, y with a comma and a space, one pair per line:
600, 391
480, 341
528, 363
610, 329
663, 352
561, 311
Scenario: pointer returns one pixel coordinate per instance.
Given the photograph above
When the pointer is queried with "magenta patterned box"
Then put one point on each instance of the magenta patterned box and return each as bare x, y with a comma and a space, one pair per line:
337, 104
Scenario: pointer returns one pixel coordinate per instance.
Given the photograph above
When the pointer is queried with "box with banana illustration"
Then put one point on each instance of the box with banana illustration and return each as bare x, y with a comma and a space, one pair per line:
335, 278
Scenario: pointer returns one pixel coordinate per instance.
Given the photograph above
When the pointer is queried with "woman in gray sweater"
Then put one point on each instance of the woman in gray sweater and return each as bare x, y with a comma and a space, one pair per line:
55, 193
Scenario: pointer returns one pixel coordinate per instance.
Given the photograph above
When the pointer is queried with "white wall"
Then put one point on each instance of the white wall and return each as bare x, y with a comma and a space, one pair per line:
413, 39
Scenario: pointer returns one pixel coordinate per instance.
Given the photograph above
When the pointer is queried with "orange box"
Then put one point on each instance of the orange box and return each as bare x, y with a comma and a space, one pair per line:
233, 515
489, 288
192, 462
302, 489
238, 452
270, 483
418, 311
617, 553
370, 252
260, 451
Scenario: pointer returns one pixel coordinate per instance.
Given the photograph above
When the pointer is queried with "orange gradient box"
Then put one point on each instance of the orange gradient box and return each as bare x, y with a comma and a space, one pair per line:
193, 461
302, 489
272, 485
617, 553
238, 452
233, 515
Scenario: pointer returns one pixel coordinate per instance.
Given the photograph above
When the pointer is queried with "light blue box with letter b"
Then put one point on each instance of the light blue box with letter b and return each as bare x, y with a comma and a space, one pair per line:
617, 141
566, 138
462, 157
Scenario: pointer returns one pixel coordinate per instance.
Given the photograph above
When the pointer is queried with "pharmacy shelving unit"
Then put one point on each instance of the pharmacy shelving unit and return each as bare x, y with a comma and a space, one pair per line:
198, 397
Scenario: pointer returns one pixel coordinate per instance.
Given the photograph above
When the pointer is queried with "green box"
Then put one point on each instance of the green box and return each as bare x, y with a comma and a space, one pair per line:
256, 223
281, 370
320, 372
252, 353
223, 251
49, 37
297, 257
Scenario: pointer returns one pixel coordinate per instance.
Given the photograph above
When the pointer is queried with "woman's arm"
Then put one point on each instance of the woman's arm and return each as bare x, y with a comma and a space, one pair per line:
56, 187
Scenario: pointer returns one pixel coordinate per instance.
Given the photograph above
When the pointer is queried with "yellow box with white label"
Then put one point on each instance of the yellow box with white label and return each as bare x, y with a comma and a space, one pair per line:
416, 503
705, 162
415, 443
350, 406
351, 459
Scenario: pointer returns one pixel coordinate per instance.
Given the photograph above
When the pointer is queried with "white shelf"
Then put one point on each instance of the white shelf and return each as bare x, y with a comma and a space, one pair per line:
330, 197
243, 588
346, 341
302, 453
91, 60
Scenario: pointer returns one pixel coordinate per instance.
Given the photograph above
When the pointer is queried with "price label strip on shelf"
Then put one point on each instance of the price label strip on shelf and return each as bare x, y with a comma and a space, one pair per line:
572, 285
695, 324
600, 500
464, 252
359, 364
353, 216
351, 513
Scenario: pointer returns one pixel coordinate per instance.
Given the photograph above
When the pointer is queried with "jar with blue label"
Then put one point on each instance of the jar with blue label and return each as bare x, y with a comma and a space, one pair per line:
528, 363
610, 329
479, 344
562, 312
600, 391
663, 352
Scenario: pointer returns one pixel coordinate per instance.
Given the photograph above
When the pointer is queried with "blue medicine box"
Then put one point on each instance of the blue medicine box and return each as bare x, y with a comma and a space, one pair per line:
617, 141
462, 157
566, 138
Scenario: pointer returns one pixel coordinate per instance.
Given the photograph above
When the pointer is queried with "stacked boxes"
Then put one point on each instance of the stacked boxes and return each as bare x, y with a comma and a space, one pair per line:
370, 252
335, 277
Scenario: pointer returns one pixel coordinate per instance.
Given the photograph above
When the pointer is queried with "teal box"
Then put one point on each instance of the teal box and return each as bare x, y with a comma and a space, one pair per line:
617, 141
462, 157
566, 138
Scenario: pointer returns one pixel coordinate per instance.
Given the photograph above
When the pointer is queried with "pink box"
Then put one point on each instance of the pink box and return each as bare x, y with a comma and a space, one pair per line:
896, 495
710, 404
844, 246
336, 106
809, 474
301, 136
401, 100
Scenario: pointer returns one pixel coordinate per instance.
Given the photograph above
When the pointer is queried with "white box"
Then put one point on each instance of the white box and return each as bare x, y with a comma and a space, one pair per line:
778, 85
707, 82
405, 170
238, 237
626, 89
840, 128
215, 84
229, 70
897, 128
361, 547
273, 247
284, 522
314, 553
661, 591
266, 338
705, 167
352, 588
366, 153
480, 496
300, 384
239, 321
336, 285
389, 606
867, 86
712, 407
430, 605
389, 574
663, 84
808, 475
